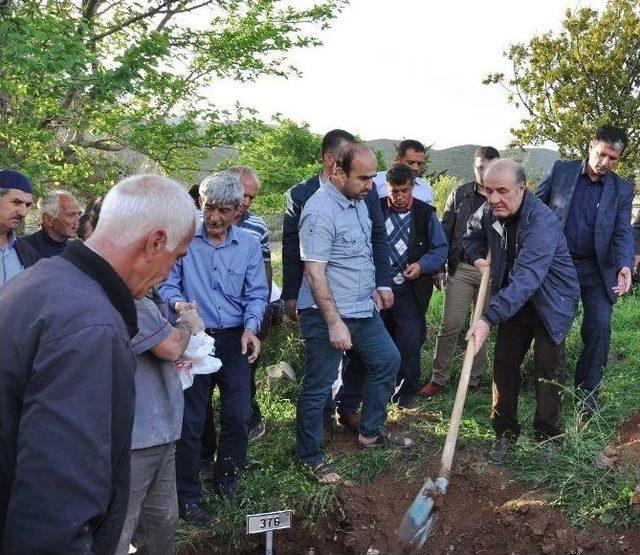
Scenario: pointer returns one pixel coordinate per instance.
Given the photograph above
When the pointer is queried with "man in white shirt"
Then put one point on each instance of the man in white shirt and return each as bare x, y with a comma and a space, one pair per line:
411, 153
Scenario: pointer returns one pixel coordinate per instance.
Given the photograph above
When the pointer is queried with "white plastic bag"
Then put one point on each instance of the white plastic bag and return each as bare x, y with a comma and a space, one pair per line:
198, 358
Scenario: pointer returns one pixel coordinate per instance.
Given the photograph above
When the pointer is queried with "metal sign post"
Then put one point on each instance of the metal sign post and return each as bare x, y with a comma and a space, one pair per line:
266, 523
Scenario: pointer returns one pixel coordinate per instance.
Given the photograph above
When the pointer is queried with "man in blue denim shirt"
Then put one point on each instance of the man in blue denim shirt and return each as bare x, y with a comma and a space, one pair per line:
337, 309
223, 274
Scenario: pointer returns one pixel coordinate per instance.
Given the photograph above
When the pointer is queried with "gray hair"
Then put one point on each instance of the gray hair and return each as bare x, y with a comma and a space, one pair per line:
140, 204
222, 188
504, 164
3, 191
50, 203
241, 171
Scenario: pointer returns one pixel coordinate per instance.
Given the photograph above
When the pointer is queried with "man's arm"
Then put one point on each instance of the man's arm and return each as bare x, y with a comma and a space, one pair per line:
62, 487
379, 243
474, 240
315, 273
543, 192
171, 290
436, 256
255, 299
636, 232
623, 233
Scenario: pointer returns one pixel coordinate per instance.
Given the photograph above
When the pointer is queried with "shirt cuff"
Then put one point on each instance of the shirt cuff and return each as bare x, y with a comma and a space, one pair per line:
250, 323
173, 300
492, 317
383, 288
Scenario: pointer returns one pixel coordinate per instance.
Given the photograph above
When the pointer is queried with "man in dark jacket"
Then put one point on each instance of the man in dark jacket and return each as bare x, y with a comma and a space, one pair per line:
461, 278
593, 205
16, 196
66, 373
59, 213
636, 233
534, 297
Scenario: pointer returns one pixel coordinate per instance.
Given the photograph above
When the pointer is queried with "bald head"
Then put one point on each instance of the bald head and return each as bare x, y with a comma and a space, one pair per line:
505, 183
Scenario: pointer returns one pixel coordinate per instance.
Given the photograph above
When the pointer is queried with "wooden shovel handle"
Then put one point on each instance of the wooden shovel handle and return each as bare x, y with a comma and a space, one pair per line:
463, 384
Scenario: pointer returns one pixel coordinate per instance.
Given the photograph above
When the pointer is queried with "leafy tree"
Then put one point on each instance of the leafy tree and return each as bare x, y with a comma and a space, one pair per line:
85, 84
586, 75
442, 185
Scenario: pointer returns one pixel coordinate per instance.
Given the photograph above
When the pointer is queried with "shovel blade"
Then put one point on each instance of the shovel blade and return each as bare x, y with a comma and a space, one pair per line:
417, 522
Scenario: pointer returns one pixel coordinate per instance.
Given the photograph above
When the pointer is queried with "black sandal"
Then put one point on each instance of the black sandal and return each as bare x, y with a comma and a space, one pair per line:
388, 439
322, 470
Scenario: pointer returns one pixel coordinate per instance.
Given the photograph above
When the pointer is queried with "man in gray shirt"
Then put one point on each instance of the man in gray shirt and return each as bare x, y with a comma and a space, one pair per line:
338, 309
152, 513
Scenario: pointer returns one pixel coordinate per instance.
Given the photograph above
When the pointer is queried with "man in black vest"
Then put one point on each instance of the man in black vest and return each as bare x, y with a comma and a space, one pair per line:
417, 248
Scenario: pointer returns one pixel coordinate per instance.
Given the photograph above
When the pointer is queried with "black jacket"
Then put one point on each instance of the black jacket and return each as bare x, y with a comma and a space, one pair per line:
457, 211
26, 253
636, 233
66, 406
419, 244
292, 266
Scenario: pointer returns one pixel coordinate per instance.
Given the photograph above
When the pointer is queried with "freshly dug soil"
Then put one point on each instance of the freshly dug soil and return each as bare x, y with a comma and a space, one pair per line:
484, 511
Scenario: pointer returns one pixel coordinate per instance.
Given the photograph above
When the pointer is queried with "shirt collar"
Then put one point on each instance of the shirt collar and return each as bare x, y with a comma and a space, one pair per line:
584, 172
338, 196
97, 268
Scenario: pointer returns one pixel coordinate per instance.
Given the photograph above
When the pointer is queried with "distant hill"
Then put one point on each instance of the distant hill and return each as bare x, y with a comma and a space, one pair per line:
458, 160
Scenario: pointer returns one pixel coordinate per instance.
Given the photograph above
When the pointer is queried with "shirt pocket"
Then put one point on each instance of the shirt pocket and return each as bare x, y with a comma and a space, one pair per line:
233, 283
347, 243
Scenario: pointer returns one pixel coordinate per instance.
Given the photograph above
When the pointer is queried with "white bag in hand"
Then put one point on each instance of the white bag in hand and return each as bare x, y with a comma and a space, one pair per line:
198, 358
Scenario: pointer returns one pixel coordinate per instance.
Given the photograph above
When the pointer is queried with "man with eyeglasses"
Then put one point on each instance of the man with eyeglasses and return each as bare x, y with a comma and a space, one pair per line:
461, 278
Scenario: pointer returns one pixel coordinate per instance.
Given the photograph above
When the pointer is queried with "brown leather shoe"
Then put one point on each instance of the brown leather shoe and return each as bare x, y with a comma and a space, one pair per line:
431, 390
350, 420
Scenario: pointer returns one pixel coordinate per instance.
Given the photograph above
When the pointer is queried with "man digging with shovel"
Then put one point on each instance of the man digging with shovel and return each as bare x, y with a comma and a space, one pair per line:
534, 295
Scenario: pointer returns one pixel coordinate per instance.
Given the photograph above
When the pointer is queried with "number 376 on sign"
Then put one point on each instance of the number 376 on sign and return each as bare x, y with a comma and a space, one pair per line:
257, 524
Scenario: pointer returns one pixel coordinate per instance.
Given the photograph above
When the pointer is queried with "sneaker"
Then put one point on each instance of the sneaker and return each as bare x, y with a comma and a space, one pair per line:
257, 431
194, 513
500, 448
431, 390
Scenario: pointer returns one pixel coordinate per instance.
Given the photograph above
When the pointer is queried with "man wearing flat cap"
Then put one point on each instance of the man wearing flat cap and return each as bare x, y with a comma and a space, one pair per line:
16, 196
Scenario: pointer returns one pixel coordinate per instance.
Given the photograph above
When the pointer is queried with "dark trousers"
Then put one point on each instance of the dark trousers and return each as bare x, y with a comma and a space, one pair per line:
405, 323
234, 383
209, 439
513, 342
377, 350
595, 331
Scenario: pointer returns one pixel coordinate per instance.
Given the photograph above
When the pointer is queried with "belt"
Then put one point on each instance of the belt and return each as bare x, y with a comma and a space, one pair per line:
219, 331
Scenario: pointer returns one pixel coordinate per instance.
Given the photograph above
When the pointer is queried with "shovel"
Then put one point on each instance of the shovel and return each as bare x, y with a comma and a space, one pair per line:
418, 521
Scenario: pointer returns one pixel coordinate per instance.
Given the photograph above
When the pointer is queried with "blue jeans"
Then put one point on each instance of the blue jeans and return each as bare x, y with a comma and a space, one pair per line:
595, 331
234, 383
381, 357
406, 325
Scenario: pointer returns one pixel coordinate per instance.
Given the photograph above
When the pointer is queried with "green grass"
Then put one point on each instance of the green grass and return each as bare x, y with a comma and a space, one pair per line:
570, 479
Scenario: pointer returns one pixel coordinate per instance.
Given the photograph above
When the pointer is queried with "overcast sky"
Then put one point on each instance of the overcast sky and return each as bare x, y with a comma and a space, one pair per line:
408, 69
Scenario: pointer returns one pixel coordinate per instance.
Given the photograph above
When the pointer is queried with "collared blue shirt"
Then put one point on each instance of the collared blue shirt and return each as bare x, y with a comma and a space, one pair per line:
228, 281
421, 188
581, 219
337, 230
10, 264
